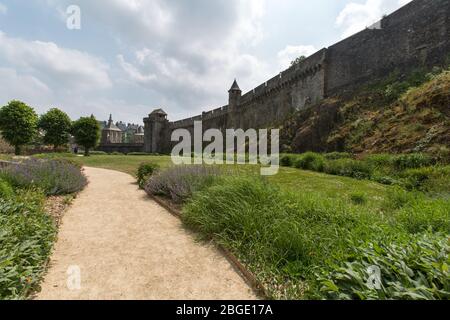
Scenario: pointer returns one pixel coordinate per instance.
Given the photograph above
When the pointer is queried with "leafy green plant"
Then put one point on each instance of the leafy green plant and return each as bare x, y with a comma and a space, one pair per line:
144, 172
26, 239
6, 191
414, 268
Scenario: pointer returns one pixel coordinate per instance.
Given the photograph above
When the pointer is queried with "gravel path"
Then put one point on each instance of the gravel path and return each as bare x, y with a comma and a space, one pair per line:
125, 246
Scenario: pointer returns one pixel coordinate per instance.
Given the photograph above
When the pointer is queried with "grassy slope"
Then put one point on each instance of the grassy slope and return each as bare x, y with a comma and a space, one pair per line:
375, 120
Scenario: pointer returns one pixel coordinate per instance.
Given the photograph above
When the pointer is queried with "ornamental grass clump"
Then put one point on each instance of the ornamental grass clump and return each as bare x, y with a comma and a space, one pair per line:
180, 182
54, 177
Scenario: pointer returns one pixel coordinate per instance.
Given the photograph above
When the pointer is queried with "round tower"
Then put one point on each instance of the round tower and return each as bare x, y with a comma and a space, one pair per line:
155, 132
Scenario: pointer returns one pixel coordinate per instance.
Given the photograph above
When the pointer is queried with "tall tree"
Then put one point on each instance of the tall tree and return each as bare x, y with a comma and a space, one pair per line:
18, 124
86, 132
56, 125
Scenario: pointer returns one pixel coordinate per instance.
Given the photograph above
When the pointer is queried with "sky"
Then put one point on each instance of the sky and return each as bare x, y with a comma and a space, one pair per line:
132, 56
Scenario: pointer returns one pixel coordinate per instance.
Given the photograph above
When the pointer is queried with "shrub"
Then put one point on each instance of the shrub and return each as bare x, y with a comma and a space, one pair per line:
6, 191
144, 172
286, 161
348, 167
54, 155
397, 198
337, 155
414, 268
55, 177
384, 179
423, 214
415, 179
311, 161
139, 154
358, 198
434, 180
180, 182
26, 238
97, 153
412, 161
379, 161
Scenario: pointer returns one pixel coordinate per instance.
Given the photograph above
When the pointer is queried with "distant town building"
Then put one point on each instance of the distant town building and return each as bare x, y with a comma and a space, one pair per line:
111, 134
139, 136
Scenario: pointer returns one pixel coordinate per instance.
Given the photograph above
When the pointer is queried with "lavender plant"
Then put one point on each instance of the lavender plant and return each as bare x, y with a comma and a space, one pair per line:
180, 182
54, 177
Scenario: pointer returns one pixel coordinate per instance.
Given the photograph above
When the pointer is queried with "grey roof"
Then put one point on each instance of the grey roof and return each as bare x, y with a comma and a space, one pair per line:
159, 111
235, 86
111, 126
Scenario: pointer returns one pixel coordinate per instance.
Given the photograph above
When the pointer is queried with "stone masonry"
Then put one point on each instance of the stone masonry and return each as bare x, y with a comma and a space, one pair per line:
417, 35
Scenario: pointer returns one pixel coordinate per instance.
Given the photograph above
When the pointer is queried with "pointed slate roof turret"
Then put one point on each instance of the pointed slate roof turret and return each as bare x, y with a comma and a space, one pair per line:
234, 87
111, 126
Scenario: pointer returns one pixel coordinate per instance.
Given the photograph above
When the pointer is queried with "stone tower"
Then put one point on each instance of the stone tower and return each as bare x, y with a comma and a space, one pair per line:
156, 132
234, 100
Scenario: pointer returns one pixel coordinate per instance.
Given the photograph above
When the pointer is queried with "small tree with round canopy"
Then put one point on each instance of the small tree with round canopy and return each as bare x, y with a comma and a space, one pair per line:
18, 124
86, 131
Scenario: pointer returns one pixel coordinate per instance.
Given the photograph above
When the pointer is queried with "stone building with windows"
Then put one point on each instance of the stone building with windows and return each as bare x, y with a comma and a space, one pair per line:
111, 134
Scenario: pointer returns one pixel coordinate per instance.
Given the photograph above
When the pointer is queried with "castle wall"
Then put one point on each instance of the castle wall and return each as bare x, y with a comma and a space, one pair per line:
416, 35
292, 90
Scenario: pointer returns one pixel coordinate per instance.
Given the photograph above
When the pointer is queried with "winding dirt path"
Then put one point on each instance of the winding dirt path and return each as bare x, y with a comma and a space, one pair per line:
126, 246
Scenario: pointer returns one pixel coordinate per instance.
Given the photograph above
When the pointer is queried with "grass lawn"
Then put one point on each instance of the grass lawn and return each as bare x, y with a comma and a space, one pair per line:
291, 179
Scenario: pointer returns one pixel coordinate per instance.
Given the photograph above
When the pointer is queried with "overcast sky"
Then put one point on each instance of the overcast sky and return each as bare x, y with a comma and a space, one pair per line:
131, 56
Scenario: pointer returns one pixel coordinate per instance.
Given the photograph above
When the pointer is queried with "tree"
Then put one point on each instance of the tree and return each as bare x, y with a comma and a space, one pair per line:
86, 132
18, 124
57, 125
298, 60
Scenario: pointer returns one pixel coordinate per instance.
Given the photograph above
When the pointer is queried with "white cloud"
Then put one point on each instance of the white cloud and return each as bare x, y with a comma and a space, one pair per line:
23, 87
356, 16
186, 52
290, 53
3, 8
47, 61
